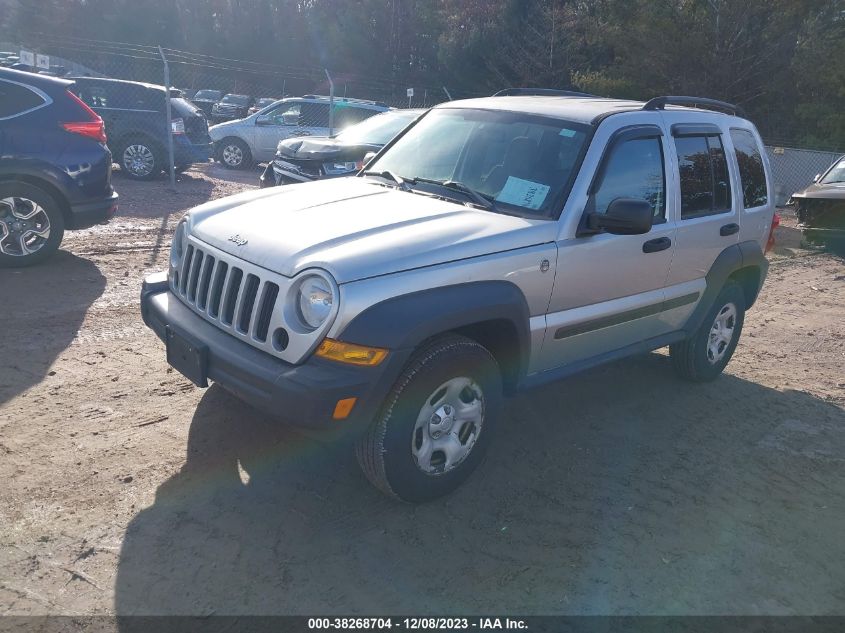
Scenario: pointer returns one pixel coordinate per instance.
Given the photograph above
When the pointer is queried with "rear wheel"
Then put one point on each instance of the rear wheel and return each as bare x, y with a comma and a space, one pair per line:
234, 154
31, 225
140, 159
704, 355
436, 423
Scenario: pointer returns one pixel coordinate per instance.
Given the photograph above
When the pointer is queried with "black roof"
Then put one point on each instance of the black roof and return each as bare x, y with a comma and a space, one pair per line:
43, 82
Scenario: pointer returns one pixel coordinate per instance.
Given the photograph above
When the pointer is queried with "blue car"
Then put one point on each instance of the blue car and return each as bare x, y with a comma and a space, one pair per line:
136, 124
55, 168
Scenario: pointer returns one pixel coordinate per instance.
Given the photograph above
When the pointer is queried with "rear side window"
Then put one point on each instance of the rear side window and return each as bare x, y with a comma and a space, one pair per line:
752, 175
346, 115
634, 169
705, 184
15, 99
314, 114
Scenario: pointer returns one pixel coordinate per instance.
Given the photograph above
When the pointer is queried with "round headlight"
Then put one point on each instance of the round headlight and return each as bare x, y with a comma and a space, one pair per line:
316, 298
177, 249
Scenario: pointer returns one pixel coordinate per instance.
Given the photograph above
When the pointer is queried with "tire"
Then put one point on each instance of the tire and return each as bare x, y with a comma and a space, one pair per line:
42, 231
140, 158
400, 452
233, 153
695, 359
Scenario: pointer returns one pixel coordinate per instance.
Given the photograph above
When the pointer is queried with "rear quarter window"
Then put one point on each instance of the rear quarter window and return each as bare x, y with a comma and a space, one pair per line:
752, 174
16, 99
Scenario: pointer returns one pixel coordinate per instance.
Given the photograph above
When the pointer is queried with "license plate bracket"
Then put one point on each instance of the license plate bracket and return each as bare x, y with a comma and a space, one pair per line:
187, 356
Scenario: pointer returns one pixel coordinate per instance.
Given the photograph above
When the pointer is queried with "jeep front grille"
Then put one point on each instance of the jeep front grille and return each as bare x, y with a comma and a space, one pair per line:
241, 298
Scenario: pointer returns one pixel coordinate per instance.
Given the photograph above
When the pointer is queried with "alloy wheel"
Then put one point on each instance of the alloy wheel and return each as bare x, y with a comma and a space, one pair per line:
24, 226
233, 155
139, 160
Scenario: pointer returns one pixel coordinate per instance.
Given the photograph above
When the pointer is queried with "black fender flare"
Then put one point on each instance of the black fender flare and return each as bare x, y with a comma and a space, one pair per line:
734, 258
405, 321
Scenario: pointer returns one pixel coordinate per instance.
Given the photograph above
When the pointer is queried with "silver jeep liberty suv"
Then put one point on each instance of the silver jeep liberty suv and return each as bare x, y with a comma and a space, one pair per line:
494, 245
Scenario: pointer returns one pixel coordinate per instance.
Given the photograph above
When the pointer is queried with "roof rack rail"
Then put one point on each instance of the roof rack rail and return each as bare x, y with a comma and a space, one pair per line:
346, 100
544, 92
660, 103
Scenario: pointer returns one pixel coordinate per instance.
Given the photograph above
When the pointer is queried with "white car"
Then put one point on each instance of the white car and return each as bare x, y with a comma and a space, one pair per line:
495, 245
240, 143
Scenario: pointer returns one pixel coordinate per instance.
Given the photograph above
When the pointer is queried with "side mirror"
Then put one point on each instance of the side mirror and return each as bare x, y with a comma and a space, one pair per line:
263, 120
368, 157
816, 177
624, 216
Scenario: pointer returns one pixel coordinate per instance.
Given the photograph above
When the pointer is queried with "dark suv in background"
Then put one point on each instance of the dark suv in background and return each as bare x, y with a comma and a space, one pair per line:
231, 107
205, 99
136, 124
55, 168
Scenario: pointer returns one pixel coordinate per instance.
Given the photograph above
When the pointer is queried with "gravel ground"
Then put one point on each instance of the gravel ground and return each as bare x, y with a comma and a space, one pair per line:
128, 490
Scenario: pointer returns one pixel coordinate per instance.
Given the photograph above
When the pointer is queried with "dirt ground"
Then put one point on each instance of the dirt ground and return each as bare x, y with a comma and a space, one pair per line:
619, 491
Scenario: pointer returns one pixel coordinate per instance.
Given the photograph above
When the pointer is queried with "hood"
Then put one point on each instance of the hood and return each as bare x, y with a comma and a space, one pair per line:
322, 148
356, 229
832, 191
219, 130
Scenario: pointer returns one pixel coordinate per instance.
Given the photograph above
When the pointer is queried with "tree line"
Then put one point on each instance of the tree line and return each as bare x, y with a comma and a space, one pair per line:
779, 59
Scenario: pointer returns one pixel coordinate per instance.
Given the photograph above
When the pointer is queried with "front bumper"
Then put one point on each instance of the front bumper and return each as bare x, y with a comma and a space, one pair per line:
88, 214
302, 395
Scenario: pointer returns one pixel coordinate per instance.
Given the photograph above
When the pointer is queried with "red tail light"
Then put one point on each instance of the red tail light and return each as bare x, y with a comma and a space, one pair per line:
770, 244
92, 128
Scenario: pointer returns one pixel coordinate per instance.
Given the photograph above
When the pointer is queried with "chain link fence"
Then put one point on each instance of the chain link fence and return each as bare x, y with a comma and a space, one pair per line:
794, 169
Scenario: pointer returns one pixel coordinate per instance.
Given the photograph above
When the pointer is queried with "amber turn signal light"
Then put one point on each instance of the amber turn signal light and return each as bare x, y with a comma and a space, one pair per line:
343, 408
350, 353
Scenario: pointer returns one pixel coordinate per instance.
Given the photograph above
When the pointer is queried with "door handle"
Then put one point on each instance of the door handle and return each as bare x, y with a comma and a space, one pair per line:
729, 229
659, 244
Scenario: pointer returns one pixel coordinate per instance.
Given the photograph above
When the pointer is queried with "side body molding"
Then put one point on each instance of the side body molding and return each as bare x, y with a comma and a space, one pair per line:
405, 321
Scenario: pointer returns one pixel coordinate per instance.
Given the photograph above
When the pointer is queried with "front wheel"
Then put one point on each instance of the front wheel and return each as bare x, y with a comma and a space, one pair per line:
704, 355
31, 225
234, 154
436, 422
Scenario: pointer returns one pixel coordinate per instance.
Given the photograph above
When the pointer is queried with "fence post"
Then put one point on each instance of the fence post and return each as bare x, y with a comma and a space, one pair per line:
331, 102
169, 119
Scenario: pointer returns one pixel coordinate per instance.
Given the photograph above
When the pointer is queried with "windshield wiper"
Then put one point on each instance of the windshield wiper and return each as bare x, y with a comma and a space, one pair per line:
479, 198
389, 175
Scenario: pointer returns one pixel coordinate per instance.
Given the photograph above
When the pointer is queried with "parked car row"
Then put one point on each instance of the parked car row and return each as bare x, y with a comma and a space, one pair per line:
242, 142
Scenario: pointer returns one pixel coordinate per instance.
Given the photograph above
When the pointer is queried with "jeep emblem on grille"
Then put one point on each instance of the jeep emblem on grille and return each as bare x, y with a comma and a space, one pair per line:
237, 239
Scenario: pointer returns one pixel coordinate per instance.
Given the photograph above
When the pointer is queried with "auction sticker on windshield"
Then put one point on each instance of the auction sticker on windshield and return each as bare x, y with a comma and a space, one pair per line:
523, 193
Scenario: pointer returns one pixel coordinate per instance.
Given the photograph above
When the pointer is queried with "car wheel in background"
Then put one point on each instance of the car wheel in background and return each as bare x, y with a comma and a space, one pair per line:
704, 355
140, 159
31, 225
436, 422
234, 154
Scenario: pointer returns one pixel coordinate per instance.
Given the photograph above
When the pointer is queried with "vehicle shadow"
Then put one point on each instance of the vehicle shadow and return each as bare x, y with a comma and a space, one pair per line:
40, 316
621, 491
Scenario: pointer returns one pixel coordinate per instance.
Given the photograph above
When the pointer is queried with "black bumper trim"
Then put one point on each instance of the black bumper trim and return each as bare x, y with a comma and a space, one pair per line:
301, 395
91, 213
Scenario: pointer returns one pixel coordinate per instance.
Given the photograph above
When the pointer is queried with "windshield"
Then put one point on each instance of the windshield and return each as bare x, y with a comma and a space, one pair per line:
240, 100
521, 162
208, 95
378, 130
836, 174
